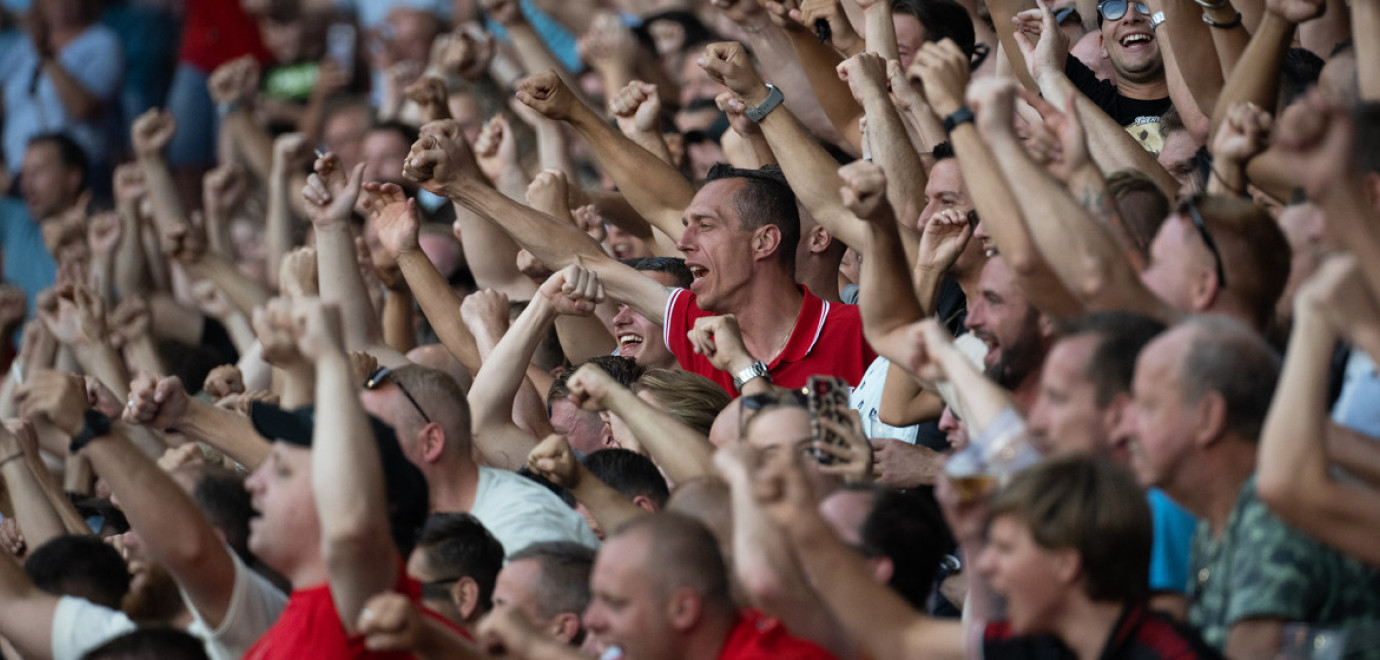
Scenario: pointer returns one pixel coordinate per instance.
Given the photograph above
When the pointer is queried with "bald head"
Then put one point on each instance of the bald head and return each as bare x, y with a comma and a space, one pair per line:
679, 553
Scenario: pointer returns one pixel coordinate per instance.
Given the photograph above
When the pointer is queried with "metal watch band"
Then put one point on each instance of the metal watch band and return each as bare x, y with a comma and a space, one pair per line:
757, 369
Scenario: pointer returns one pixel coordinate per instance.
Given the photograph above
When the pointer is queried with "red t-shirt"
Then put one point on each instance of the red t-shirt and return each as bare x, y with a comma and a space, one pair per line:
827, 339
309, 627
756, 635
217, 31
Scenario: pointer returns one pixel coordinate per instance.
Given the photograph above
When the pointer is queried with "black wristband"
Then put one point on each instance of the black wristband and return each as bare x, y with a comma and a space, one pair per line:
959, 117
95, 425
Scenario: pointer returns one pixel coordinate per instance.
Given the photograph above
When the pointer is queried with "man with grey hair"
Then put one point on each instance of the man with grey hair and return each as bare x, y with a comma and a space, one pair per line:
1201, 391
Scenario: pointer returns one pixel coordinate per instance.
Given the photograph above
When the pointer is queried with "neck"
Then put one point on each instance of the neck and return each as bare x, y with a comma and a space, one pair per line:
820, 275
309, 574
1212, 493
1087, 625
452, 485
968, 282
1144, 90
707, 641
766, 315
1027, 391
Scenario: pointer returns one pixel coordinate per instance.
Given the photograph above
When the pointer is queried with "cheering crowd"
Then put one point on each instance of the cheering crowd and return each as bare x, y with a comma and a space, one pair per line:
669, 329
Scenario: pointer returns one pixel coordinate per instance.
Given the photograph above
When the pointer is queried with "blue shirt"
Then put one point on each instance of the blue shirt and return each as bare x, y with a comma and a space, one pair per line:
32, 105
27, 262
1173, 542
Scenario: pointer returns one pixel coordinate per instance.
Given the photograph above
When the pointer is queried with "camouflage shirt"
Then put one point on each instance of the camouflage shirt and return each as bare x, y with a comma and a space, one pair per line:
1262, 568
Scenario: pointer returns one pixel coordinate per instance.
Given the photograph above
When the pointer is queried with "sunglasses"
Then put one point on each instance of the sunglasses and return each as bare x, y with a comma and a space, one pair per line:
384, 373
1064, 13
1113, 10
1201, 225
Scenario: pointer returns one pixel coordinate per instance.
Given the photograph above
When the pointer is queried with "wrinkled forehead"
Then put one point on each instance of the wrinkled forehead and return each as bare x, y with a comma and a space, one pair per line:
715, 199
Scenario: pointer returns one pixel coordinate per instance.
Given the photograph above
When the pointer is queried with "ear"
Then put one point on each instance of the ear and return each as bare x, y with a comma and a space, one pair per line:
1212, 419
1102, 44
882, 569
819, 240
1204, 287
465, 594
565, 627
433, 442
645, 503
684, 608
1114, 413
766, 242
73, 180
1067, 565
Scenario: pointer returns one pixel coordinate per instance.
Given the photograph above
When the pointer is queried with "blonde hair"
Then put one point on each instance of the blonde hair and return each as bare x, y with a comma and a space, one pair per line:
690, 398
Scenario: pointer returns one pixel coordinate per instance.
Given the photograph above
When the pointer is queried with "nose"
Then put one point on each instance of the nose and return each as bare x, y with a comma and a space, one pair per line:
624, 315
685, 242
987, 563
593, 619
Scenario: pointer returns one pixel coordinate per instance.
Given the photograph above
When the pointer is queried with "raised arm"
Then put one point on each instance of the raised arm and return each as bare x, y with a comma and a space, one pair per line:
1365, 19
652, 186
676, 448
557, 244
37, 518
890, 146
164, 404
347, 472
581, 336
1256, 77
1294, 477
76, 316
555, 461
26, 612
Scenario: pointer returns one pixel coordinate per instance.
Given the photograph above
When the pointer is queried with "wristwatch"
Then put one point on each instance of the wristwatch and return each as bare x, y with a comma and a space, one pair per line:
959, 117
757, 369
774, 98
95, 425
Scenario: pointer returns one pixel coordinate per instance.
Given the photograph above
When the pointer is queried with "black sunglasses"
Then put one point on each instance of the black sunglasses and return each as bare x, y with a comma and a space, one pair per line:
383, 373
1113, 10
1191, 205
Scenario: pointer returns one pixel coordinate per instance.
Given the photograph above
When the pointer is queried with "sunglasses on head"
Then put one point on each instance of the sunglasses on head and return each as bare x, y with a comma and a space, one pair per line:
383, 374
1114, 10
1191, 205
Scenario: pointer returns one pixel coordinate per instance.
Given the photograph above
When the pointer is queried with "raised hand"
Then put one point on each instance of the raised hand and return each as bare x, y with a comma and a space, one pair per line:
59, 398
316, 329
736, 110
363, 365
555, 461
439, 157
467, 52
129, 185
853, 461
496, 148
130, 322
728, 63
1070, 153
928, 339
430, 95
993, 102
485, 313
241, 403
588, 219
506, 630
211, 300
943, 239
609, 44
185, 241
591, 387
942, 71
273, 325
104, 233
1319, 137
574, 291
290, 153
391, 622
865, 73
1047, 55
546, 93
637, 108
394, 215
864, 190
235, 81
224, 381
842, 35
549, 193
160, 403
329, 195
76, 315
151, 132
99, 397
297, 275
719, 340
1244, 133
1296, 11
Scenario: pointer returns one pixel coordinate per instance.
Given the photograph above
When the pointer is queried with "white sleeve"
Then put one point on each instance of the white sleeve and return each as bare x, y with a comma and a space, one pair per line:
253, 609
80, 625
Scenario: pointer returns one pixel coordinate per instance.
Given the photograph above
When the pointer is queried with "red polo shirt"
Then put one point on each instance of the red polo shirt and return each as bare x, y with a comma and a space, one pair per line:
827, 339
756, 635
309, 627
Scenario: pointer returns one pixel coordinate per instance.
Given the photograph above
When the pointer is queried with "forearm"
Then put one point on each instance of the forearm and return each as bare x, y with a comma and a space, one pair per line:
441, 307
397, 320
142, 354
1292, 464
347, 480
491, 254
886, 303
1256, 77
678, 449
251, 141
608, 506
245, 294
342, 286
650, 184
1353, 219
555, 243
1111, 147
79, 103
1356, 453
899, 393
240, 331
534, 56
552, 149
1228, 44
98, 359
36, 516
1002, 11
891, 148
26, 612
927, 282
295, 386
162, 191
584, 337
278, 224
812, 174
1185, 44
131, 270
880, 31
981, 399
819, 62
229, 432
1365, 19
497, 382
218, 232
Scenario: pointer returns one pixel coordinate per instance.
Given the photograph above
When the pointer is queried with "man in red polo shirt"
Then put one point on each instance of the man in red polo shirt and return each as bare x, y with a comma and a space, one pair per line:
741, 232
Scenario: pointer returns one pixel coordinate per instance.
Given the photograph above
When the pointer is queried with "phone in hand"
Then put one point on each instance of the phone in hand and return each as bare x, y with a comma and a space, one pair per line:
827, 398
340, 46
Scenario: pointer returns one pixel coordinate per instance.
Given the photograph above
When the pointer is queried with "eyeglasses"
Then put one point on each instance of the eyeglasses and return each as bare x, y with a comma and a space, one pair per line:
383, 373
1198, 222
1113, 10
1064, 13
773, 398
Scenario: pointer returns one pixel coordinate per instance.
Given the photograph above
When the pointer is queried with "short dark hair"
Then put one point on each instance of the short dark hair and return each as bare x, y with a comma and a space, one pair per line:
1235, 361
942, 151
673, 266
151, 642
1120, 337
906, 527
1093, 506
1141, 205
80, 565
458, 545
1298, 71
765, 199
565, 569
629, 473
72, 155
624, 370
220, 494
942, 19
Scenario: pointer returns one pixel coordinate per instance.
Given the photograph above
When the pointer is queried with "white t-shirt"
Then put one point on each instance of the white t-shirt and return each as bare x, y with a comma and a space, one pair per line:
520, 512
80, 625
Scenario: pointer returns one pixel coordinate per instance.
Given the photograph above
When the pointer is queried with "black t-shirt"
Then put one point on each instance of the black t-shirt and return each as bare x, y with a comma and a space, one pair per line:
1141, 118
